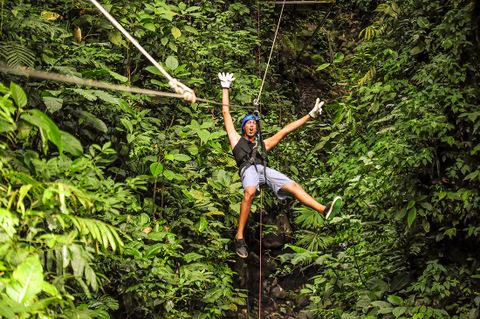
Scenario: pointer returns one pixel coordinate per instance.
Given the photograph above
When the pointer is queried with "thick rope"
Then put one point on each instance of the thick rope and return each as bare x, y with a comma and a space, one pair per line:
51, 76
270, 55
179, 87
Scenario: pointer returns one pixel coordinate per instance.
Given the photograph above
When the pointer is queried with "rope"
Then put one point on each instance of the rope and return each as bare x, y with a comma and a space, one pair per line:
98, 84
256, 102
176, 85
260, 286
316, 30
270, 55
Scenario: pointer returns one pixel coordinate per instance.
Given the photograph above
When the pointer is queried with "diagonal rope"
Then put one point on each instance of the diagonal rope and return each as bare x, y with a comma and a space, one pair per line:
270, 55
174, 84
51, 76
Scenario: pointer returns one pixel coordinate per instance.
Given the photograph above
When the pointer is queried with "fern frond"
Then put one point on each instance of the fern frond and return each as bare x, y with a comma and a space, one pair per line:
101, 232
104, 302
308, 218
314, 241
35, 24
368, 76
391, 9
371, 32
299, 257
14, 54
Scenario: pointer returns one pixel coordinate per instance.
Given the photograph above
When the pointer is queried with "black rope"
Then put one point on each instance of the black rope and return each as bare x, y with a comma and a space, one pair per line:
316, 30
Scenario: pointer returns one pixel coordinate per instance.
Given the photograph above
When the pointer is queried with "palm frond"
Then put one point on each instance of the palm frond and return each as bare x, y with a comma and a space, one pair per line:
314, 241
308, 218
372, 31
300, 256
35, 24
15, 54
101, 232
368, 76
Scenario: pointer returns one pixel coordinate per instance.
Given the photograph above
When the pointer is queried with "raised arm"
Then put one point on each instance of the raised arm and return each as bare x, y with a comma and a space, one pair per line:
271, 142
233, 136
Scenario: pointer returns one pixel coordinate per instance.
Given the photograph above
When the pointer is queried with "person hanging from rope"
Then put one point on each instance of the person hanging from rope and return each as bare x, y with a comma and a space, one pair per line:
253, 169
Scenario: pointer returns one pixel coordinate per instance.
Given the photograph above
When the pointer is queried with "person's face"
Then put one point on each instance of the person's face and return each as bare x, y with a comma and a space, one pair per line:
250, 128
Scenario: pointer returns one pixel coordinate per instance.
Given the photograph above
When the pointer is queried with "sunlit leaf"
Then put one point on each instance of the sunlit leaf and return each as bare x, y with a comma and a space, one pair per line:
181, 157
29, 281
339, 56
156, 169
176, 32
171, 62
322, 66
18, 95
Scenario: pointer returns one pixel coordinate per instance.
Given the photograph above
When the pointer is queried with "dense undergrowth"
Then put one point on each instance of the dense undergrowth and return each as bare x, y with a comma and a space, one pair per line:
115, 205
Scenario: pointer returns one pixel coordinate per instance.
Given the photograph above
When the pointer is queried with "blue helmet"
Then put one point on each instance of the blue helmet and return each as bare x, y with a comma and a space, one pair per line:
246, 119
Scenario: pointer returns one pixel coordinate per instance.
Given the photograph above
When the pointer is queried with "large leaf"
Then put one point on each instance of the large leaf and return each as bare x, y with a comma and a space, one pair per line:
176, 32
412, 214
18, 95
43, 122
71, 144
53, 104
171, 62
28, 281
8, 221
93, 121
156, 169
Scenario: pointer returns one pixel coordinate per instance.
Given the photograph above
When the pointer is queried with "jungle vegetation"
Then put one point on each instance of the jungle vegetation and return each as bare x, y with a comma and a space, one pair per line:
119, 205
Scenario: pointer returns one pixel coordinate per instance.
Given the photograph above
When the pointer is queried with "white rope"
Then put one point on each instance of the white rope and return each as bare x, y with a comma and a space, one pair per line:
257, 101
44, 75
84, 82
179, 87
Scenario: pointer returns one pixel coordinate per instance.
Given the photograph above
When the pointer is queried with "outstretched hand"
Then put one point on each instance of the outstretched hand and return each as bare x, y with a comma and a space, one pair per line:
317, 109
226, 79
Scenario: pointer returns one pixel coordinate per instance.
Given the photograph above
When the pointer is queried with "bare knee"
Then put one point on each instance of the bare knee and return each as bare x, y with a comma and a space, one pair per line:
292, 187
249, 193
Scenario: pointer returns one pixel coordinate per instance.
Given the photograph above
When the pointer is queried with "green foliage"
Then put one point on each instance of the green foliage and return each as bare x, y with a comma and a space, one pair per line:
402, 157
115, 203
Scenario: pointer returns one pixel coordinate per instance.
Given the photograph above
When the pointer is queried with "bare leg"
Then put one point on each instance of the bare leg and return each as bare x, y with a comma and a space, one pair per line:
248, 196
303, 197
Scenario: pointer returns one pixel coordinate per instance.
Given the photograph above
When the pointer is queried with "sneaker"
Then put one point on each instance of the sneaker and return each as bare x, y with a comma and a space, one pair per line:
333, 209
241, 248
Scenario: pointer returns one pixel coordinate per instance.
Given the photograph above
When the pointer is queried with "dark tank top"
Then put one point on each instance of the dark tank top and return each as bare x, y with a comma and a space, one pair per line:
243, 153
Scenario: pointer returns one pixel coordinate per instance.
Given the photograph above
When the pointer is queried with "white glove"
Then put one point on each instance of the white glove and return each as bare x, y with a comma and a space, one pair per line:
317, 109
226, 79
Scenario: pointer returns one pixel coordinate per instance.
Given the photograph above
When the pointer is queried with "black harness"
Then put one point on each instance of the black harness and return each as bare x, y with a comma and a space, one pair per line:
247, 153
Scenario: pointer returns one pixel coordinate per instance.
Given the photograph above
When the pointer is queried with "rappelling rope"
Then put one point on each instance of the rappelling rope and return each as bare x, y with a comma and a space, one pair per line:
179, 87
271, 52
256, 103
98, 84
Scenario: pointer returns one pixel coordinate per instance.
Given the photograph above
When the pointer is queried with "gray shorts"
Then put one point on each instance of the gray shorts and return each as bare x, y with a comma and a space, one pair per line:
254, 175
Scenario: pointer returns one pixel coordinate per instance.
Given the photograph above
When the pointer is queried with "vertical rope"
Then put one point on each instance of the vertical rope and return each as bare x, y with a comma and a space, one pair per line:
257, 103
258, 37
260, 279
270, 55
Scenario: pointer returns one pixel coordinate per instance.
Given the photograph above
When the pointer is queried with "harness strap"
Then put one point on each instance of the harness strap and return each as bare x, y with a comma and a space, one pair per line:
251, 158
